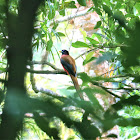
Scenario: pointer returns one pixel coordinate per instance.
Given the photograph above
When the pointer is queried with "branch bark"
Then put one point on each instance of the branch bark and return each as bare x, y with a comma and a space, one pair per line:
44, 63
36, 90
46, 71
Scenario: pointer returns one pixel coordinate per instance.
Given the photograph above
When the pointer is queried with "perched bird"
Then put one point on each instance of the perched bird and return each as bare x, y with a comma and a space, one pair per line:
69, 66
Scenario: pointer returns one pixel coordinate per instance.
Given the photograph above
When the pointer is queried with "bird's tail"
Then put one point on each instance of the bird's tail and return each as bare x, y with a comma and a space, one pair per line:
76, 85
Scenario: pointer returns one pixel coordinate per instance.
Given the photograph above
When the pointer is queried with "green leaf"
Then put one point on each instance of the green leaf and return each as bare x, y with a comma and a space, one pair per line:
137, 6
101, 79
71, 88
119, 35
2, 70
99, 36
87, 129
118, 5
95, 3
89, 55
51, 13
89, 58
62, 12
132, 54
92, 41
97, 90
55, 26
98, 11
97, 25
60, 34
107, 10
3, 63
49, 45
118, 15
92, 98
84, 33
87, 61
80, 44
106, 57
43, 124
84, 77
70, 4
82, 2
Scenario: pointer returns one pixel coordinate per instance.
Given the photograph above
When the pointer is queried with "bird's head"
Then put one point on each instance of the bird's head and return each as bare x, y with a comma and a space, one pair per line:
65, 52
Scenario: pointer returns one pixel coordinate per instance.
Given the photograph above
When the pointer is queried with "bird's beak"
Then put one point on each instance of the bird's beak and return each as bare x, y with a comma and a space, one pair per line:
60, 51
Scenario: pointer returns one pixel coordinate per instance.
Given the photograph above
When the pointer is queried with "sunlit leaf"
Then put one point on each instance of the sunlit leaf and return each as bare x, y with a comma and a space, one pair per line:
84, 33
60, 34
86, 61
80, 44
89, 55
92, 41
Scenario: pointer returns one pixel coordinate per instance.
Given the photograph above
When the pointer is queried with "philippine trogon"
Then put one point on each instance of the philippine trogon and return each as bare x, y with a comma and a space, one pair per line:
69, 66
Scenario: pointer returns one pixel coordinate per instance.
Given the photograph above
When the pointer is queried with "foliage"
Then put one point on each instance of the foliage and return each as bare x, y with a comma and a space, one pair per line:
27, 26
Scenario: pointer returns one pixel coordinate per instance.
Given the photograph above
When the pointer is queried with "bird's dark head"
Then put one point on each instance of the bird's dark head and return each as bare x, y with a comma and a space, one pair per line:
65, 52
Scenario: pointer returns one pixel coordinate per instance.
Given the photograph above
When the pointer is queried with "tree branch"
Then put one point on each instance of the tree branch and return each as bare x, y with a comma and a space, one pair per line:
104, 88
99, 47
110, 71
36, 90
69, 17
44, 63
46, 71
86, 52
129, 89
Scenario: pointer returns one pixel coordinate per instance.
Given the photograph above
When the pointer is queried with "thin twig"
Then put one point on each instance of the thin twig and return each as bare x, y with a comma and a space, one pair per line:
104, 88
99, 47
130, 89
86, 52
110, 71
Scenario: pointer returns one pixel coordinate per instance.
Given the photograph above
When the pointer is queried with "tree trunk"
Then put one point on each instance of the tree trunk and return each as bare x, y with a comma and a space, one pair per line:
20, 31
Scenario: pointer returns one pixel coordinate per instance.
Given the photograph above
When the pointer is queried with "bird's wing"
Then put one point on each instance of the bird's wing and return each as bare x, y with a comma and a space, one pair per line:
69, 65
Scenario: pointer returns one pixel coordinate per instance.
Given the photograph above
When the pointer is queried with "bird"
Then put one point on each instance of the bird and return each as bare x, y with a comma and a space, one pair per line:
69, 66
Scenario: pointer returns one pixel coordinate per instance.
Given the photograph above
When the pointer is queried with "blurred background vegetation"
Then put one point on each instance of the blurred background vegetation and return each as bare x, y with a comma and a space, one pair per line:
37, 98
